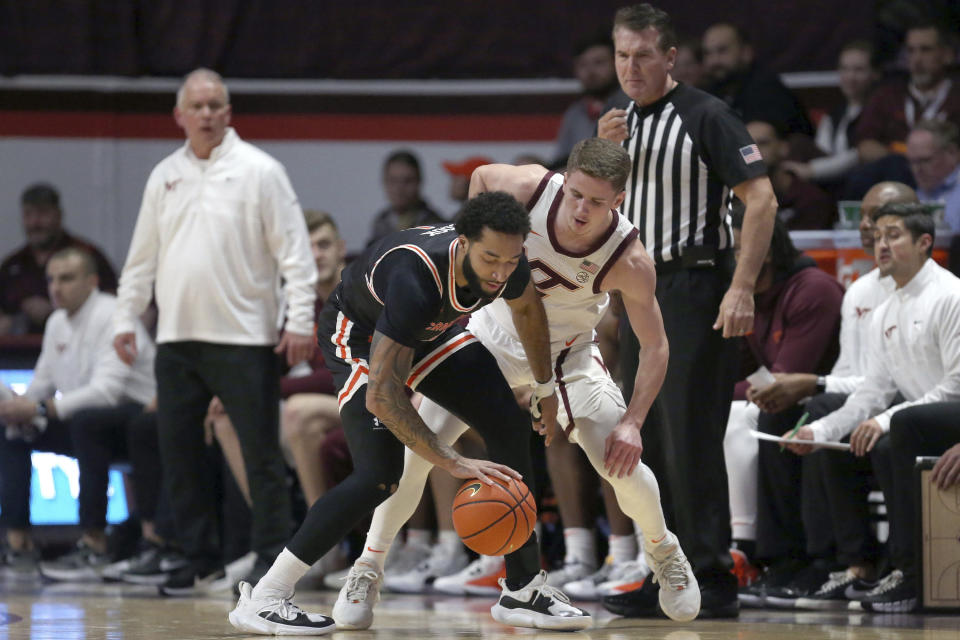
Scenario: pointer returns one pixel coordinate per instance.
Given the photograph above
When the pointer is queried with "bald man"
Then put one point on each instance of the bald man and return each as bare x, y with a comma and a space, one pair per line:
835, 479
218, 229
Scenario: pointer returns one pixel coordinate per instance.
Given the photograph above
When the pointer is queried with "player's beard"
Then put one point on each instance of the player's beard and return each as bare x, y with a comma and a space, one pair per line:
473, 281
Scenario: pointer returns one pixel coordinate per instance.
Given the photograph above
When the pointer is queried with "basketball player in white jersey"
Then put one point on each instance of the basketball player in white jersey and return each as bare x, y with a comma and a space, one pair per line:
579, 249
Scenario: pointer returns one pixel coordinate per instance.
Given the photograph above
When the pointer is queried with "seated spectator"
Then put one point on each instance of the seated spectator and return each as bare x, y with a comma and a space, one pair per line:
834, 509
24, 303
795, 328
897, 106
835, 131
934, 157
406, 207
84, 402
803, 205
460, 173
754, 93
914, 348
593, 69
688, 66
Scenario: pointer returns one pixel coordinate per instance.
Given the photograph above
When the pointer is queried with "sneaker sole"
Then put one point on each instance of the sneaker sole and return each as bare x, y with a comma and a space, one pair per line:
751, 600
781, 603
900, 606
68, 575
148, 580
534, 620
264, 627
817, 604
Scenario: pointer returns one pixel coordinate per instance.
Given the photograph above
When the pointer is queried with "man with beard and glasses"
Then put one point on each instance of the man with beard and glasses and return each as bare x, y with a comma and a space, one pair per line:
391, 325
24, 301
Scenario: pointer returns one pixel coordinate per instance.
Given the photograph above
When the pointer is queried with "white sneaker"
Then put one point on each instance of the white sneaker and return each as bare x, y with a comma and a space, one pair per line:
479, 578
538, 606
276, 616
679, 591
441, 562
609, 580
570, 572
624, 577
406, 557
586, 588
358, 597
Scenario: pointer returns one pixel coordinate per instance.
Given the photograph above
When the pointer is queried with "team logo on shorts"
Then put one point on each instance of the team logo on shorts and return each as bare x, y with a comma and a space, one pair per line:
582, 277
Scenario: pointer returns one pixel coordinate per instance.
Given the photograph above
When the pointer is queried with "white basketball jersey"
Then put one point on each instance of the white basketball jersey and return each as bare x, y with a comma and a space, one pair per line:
569, 283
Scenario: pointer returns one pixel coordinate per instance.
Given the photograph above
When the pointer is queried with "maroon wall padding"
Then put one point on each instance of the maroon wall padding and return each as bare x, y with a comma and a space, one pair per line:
381, 38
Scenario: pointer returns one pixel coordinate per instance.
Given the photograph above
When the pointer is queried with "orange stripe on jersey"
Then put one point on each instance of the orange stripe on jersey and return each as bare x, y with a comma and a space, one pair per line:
338, 339
466, 337
358, 373
423, 256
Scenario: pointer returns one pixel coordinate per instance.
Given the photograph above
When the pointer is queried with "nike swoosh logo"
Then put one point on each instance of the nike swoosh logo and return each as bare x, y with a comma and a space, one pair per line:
570, 341
374, 550
536, 234
659, 540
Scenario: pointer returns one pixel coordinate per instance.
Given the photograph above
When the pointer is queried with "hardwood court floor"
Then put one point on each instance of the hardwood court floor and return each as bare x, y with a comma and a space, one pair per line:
122, 612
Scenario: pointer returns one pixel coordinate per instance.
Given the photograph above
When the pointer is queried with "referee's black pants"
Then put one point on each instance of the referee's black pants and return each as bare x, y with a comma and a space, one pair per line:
921, 430
469, 384
247, 381
683, 434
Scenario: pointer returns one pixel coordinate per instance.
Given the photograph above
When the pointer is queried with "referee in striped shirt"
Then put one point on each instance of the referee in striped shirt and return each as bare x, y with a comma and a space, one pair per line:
689, 151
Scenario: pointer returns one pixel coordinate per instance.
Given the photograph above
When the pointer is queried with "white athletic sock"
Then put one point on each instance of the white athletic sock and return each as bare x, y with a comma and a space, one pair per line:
449, 542
581, 547
623, 548
419, 536
283, 575
375, 552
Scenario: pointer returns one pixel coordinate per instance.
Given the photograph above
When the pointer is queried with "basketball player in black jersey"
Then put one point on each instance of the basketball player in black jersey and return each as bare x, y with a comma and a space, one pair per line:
390, 326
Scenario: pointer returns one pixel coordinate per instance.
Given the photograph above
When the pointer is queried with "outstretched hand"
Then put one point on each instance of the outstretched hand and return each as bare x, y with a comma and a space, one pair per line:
482, 470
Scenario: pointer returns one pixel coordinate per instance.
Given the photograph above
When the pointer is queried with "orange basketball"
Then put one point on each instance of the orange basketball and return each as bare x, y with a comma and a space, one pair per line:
494, 519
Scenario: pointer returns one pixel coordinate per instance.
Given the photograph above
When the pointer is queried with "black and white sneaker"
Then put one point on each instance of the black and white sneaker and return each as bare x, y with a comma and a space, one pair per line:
859, 589
894, 594
538, 606
83, 564
276, 616
153, 565
188, 581
832, 594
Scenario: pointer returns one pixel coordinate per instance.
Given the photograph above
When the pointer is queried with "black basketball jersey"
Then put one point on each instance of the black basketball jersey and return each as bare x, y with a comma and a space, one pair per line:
405, 286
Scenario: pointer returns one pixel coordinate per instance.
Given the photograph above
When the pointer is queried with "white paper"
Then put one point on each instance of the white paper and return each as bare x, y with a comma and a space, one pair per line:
761, 378
842, 446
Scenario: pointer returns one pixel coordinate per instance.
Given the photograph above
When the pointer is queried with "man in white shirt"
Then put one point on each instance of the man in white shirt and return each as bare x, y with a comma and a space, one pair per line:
84, 402
218, 228
913, 344
834, 479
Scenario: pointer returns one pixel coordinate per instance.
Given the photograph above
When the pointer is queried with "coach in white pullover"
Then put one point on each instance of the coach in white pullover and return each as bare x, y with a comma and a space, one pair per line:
218, 228
914, 336
99, 398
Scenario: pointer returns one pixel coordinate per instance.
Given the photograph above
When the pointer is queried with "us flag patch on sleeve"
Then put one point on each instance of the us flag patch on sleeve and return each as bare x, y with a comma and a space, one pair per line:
750, 154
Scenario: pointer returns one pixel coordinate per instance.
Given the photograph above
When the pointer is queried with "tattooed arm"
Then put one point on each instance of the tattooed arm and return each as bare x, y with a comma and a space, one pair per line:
390, 364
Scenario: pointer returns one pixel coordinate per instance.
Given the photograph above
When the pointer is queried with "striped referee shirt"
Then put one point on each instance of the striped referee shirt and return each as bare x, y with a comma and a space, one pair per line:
688, 150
